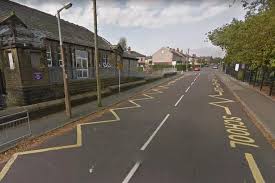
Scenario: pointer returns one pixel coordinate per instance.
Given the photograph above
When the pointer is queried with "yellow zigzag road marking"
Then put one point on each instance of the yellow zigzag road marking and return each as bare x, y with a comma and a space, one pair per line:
146, 95
220, 91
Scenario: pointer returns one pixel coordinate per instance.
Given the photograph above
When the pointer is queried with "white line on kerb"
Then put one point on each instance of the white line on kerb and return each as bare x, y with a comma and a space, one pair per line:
154, 134
179, 101
131, 173
187, 89
192, 83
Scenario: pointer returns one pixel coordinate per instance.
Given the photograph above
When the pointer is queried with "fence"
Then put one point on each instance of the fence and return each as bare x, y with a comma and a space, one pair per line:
14, 127
263, 79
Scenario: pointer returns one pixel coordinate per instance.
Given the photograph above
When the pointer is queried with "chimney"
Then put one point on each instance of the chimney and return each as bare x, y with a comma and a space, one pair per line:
178, 50
181, 51
129, 48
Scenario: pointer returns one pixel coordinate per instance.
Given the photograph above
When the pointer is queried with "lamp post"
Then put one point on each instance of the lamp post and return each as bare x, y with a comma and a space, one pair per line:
99, 104
65, 75
187, 63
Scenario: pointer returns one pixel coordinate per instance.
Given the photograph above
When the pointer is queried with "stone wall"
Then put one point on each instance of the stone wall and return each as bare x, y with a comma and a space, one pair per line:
36, 94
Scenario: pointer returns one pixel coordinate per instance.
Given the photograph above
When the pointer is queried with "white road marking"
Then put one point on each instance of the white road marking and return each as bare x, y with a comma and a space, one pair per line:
192, 83
131, 173
179, 101
154, 134
187, 89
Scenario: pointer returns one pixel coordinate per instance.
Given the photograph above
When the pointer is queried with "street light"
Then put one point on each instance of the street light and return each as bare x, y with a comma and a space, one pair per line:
65, 75
99, 104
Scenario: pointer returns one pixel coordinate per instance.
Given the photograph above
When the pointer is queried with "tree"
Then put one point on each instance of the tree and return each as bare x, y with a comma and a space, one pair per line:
251, 41
123, 43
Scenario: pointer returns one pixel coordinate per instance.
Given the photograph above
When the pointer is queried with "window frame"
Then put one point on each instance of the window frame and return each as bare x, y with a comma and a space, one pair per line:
11, 61
59, 57
82, 64
49, 60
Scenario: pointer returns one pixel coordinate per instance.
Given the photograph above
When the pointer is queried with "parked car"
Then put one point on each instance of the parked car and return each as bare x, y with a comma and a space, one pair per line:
215, 67
197, 69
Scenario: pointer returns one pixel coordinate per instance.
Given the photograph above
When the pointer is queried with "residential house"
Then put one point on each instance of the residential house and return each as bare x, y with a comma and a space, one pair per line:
168, 56
30, 57
141, 57
148, 60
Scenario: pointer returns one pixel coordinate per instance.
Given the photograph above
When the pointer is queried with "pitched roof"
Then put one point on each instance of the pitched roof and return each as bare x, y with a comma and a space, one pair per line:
11, 18
47, 25
136, 54
177, 53
127, 54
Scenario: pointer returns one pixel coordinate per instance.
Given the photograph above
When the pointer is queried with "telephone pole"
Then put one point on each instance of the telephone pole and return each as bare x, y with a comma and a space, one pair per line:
99, 104
187, 63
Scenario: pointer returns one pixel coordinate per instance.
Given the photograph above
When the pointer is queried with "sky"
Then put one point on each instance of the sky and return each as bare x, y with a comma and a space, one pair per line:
149, 25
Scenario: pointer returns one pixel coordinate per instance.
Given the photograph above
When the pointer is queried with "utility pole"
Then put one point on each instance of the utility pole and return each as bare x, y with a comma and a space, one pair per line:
99, 104
187, 63
65, 75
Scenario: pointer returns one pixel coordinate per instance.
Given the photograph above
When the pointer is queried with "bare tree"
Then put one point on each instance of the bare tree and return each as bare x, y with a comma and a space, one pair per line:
123, 43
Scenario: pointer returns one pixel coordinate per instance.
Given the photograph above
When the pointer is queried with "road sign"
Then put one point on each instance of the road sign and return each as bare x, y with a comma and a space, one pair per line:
119, 66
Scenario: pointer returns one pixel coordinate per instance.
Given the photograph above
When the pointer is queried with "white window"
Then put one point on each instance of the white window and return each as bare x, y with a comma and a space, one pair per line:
11, 62
81, 64
59, 57
49, 56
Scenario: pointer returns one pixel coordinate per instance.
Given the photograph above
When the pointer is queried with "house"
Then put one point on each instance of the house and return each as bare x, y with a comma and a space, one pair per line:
30, 58
141, 57
168, 56
148, 60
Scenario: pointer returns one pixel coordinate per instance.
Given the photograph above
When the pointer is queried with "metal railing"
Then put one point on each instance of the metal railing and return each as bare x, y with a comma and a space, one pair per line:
264, 79
14, 127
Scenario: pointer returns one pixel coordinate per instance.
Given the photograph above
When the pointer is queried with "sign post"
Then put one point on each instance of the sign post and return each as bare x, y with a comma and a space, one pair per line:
119, 80
119, 67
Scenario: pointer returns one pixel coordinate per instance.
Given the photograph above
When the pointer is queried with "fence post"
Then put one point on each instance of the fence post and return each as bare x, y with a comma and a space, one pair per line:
262, 81
272, 84
255, 78
250, 76
244, 74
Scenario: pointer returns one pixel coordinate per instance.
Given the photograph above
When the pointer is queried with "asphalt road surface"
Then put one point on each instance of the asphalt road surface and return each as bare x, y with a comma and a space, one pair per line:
188, 130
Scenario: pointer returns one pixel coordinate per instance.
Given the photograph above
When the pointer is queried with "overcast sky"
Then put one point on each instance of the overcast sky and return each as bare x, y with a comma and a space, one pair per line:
150, 24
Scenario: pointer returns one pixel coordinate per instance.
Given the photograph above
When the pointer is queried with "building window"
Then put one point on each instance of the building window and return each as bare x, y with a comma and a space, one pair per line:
81, 64
49, 56
59, 58
11, 61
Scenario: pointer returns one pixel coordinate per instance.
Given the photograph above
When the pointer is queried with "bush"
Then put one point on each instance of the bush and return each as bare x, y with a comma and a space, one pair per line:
182, 67
240, 75
161, 66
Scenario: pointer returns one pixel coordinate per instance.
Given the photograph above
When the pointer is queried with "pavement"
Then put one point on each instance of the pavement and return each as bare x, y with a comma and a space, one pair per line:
259, 106
191, 129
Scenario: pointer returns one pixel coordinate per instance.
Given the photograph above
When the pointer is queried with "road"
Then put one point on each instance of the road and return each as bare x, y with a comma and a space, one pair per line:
188, 130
